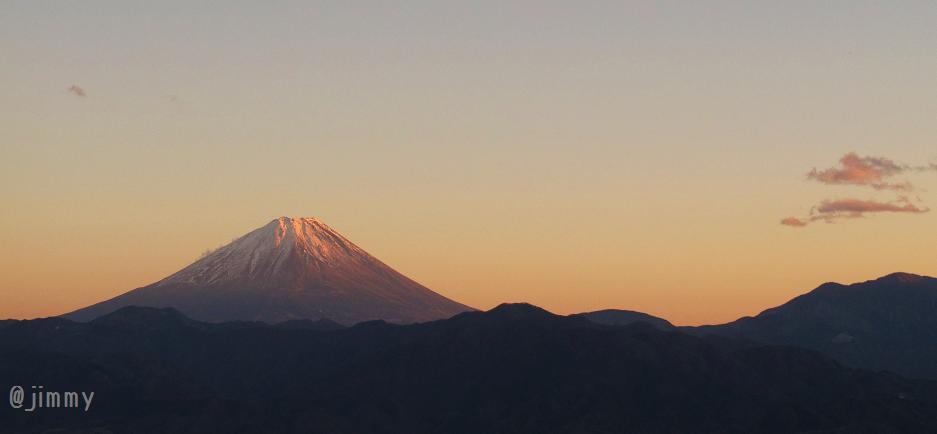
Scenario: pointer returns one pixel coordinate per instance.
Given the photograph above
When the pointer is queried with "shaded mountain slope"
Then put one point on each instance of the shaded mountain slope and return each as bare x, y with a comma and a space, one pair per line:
884, 324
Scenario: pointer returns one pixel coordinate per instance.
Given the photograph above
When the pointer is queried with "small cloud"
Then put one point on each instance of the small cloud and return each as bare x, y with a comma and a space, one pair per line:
795, 222
76, 91
867, 171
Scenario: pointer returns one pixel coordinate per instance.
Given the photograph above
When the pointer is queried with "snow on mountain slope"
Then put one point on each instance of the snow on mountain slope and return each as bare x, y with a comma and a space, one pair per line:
291, 268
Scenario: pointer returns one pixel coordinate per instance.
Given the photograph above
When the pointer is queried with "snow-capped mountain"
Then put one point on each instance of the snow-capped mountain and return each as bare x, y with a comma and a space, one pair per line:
291, 268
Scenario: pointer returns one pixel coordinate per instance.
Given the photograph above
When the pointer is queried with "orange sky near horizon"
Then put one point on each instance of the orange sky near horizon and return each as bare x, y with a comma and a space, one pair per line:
566, 271
623, 155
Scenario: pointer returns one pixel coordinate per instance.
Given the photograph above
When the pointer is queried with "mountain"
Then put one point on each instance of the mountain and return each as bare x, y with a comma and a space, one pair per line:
146, 318
291, 268
514, 369
307, 324
885, 324
625, 317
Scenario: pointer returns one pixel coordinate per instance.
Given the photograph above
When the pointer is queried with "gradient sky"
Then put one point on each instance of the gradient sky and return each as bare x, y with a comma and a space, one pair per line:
635, 155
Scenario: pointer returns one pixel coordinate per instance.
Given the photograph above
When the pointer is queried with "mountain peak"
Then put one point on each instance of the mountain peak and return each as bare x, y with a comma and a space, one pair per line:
520, 311
900, 277
286, 251
295, 222
619, 317
302, 230
300, 219
290, 268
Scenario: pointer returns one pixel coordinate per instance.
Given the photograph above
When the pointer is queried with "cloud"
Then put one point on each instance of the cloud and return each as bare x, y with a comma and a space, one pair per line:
830, 211
869, 171
857, 206
795, 222
874, 172
77, 91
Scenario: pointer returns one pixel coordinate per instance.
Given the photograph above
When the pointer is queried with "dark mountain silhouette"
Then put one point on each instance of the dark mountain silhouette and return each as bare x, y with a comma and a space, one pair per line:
884, 324
306, 324
625, 317
146, 318
514, 369
291, 268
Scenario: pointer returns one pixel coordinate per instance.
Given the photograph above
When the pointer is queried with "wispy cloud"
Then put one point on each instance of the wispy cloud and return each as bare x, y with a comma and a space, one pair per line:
874, 172
76, 91
830, 211
856, 207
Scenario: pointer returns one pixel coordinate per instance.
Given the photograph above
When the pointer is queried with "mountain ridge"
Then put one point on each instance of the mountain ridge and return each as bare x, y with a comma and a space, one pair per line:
888, 323
514, 369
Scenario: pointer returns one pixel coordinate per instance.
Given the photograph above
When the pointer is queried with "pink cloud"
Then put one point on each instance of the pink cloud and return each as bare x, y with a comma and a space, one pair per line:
875, 172
867, 171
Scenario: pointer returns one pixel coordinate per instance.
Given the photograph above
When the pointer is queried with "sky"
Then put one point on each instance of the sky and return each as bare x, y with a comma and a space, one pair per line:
578, 156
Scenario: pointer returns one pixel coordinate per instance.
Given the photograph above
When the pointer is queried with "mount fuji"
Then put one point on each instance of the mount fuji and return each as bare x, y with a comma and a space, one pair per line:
291, 268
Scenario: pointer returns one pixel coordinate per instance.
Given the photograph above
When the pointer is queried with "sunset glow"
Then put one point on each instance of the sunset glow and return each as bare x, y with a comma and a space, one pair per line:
694, 162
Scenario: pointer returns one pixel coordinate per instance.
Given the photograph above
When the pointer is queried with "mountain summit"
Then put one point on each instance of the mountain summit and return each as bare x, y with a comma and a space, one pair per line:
291, 268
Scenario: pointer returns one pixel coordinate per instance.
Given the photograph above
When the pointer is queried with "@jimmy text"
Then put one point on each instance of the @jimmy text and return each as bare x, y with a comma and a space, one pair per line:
38, 398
